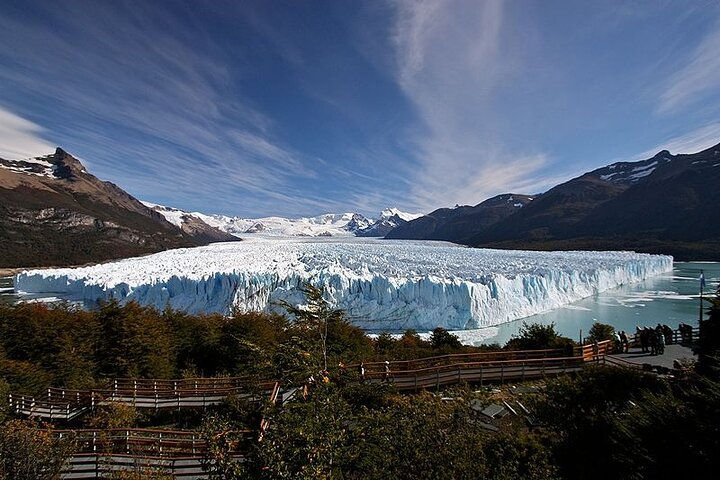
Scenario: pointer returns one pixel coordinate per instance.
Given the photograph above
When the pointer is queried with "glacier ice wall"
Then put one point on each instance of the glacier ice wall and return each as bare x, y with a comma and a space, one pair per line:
382, 284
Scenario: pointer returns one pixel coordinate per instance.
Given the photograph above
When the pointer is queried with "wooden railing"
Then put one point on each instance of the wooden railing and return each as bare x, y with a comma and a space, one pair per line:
588, 353
476, 372
455, 358
148, 442
677, 337
99, 453
66, 404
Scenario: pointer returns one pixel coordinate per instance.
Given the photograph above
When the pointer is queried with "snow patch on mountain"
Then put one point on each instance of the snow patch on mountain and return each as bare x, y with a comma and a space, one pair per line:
327, 225
383, 285
38, 167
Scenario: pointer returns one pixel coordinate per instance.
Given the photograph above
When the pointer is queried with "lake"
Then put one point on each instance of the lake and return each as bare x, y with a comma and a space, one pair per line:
671, 299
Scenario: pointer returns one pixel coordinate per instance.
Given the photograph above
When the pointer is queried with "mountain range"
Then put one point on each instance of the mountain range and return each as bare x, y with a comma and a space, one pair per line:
665, 204
327, 225
53, 212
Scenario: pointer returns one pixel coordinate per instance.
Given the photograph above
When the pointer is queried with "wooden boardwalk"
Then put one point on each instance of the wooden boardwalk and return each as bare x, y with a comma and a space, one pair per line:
100, 453
155, 394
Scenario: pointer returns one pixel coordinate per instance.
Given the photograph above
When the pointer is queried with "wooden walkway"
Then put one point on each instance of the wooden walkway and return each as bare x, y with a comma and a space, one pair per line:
66, 405
100, 453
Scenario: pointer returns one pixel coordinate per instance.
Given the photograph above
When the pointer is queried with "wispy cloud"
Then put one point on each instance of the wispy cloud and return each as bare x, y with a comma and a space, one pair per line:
700, 76
451, 59
20, 138
690, 142
152, 102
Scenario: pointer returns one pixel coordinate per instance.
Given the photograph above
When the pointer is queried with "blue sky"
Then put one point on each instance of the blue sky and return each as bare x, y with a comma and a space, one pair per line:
294, 108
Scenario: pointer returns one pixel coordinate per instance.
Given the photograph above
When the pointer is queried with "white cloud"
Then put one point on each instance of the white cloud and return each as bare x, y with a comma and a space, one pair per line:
451, 60
700, 76
20, 138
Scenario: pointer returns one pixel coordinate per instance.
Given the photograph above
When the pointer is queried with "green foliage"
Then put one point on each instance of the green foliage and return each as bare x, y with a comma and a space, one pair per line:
444, 341
601, 331
4, 406
672, 433
222, 437
29, 453
579, 413
535, 336
709, 342
364, 432
113, 415
136, 342
325, 333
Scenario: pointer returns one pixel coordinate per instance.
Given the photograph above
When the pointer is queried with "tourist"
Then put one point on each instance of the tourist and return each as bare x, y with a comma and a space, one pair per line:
361, 372
624, 343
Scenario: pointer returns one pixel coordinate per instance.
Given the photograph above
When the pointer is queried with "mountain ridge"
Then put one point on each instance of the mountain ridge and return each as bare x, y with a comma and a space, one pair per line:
53, 211
324, 225
664, 204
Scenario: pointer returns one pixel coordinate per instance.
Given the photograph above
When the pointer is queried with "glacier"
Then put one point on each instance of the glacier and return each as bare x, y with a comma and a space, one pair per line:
383, 285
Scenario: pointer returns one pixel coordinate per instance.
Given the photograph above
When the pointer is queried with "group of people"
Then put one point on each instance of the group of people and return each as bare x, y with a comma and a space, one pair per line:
653, 340
686, 332
622, 343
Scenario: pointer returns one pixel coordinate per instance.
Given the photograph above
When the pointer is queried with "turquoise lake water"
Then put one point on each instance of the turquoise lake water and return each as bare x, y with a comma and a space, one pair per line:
671, 299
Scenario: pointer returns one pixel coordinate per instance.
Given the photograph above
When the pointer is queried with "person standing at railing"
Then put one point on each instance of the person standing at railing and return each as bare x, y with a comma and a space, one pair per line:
386, 373
361, 372
660, 340
668, 333
652, 339
596, 350
624, 344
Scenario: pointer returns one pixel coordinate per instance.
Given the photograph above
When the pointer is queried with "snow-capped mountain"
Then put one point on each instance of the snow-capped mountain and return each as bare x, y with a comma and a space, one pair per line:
390, 219
54, 212
327, 225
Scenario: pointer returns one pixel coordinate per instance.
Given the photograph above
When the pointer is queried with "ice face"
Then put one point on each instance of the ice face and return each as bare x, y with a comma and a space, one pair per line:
382, 284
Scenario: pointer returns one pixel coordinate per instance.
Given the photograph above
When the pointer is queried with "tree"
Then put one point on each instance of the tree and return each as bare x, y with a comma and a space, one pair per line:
671, 433
709, 342
536, 336
600, 332
315, 318
578, 413
29, 453
443, 340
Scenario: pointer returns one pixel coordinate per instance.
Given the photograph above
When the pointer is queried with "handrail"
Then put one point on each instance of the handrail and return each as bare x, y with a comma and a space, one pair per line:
512, 354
